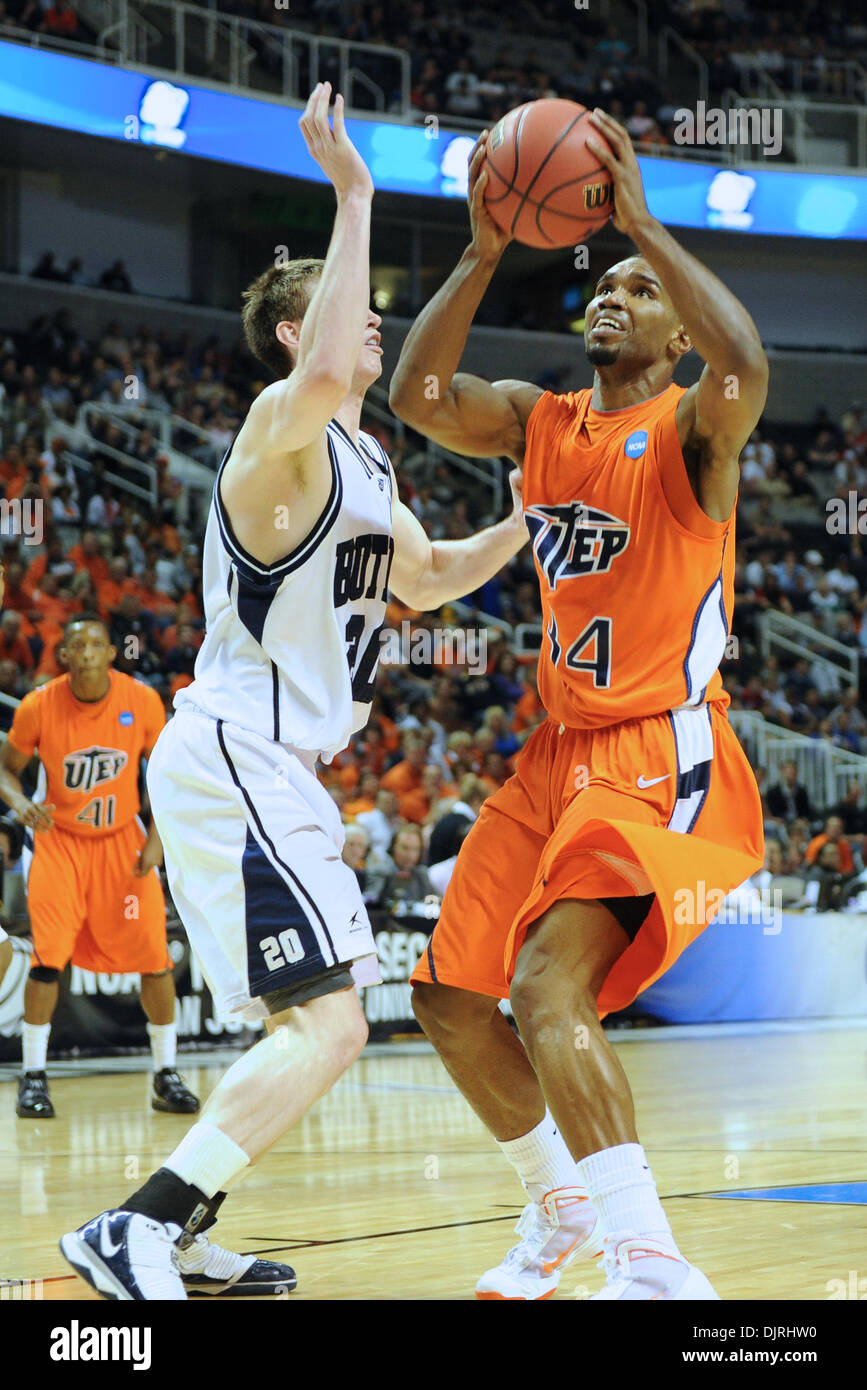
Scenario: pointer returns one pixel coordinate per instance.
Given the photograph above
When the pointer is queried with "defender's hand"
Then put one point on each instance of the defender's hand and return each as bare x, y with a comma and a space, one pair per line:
332, 148
630, 206
488, 239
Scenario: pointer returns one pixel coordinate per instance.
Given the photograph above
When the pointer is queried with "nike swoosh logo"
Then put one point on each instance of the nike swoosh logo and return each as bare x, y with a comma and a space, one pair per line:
105, 1245
652, 781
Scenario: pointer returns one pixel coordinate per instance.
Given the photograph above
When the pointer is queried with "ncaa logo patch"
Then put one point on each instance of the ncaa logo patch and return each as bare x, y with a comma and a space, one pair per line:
635, 444
126, 716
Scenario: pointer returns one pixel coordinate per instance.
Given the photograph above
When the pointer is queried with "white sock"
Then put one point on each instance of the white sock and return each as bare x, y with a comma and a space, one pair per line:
207, 1158
164, 1044
621, 1187
542, 1160
34, 1045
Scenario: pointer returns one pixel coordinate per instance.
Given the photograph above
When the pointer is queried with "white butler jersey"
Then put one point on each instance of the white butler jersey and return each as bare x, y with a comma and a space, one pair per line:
291, 649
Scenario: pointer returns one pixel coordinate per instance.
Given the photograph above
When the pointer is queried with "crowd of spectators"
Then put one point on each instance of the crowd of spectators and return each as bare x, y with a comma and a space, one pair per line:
453, 74
813, 860
802, 47
115, 276
443, 735
54, 19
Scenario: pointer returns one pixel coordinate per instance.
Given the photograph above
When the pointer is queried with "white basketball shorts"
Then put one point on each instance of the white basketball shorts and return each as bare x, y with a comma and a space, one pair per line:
252, 845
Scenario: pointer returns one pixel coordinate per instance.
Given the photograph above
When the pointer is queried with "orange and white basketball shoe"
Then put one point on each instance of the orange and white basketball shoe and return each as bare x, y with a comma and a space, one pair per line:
640, 1268
554, 1232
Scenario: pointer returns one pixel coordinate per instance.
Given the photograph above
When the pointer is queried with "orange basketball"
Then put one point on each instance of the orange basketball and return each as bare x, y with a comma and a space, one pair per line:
545, 186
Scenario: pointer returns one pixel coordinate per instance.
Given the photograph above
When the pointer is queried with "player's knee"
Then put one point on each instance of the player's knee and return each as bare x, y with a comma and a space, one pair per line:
44, 974
542, 994
353, 1031
447, 1013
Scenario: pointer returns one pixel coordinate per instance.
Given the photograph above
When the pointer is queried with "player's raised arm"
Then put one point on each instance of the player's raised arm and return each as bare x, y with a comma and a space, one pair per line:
291, 414
718, 414
459, 411
426, 574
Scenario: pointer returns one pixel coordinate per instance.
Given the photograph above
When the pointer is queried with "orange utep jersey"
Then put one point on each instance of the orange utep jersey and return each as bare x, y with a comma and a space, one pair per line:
90, 752
637, 583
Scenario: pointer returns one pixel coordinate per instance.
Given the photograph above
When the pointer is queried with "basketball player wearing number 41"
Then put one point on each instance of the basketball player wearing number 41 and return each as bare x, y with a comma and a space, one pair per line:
285, 676
635, 790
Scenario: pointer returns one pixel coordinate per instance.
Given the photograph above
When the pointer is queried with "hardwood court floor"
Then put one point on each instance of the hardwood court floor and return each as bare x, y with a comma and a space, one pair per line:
391, 1189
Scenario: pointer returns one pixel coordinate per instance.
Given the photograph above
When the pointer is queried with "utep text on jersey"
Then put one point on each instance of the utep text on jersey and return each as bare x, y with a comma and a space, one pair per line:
637, 583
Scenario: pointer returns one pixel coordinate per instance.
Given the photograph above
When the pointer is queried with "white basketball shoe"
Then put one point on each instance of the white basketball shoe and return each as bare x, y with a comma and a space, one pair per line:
640, 1268
555, 1231
126, 1256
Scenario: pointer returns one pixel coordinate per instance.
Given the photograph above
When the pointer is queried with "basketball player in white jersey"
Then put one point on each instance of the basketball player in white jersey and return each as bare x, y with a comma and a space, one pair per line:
304, 540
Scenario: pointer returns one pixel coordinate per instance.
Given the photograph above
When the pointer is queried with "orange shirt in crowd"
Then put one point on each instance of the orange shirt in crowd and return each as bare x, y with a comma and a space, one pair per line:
402, 778
361, 803
16, 484
95, 565
847, 863
178, 682
54, 609
111, 593
20, 600
416, 805
348, 775
390, 733
158, 604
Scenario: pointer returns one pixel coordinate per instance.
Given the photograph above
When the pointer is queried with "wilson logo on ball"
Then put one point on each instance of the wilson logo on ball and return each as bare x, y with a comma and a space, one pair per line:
596, 195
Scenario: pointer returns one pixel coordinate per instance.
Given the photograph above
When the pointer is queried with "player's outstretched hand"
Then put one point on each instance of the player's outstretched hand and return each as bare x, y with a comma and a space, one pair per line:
630, 205
488, 239
331, 147
35, 815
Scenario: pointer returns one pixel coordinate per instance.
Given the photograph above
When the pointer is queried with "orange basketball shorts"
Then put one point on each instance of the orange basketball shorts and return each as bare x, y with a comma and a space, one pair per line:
86, 906
665, 805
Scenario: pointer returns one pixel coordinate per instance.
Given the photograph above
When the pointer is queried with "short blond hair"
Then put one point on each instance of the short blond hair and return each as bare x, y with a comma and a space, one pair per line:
282, 292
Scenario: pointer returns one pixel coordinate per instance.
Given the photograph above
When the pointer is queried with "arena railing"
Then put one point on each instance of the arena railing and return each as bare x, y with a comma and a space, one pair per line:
840, 79
376, 404
670, 39
200, 43
31, 38
163, 425
823, 769
78, 439
778, 631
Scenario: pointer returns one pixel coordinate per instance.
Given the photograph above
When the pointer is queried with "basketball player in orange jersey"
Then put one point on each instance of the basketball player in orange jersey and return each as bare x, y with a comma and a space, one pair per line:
635, 794
93, 891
